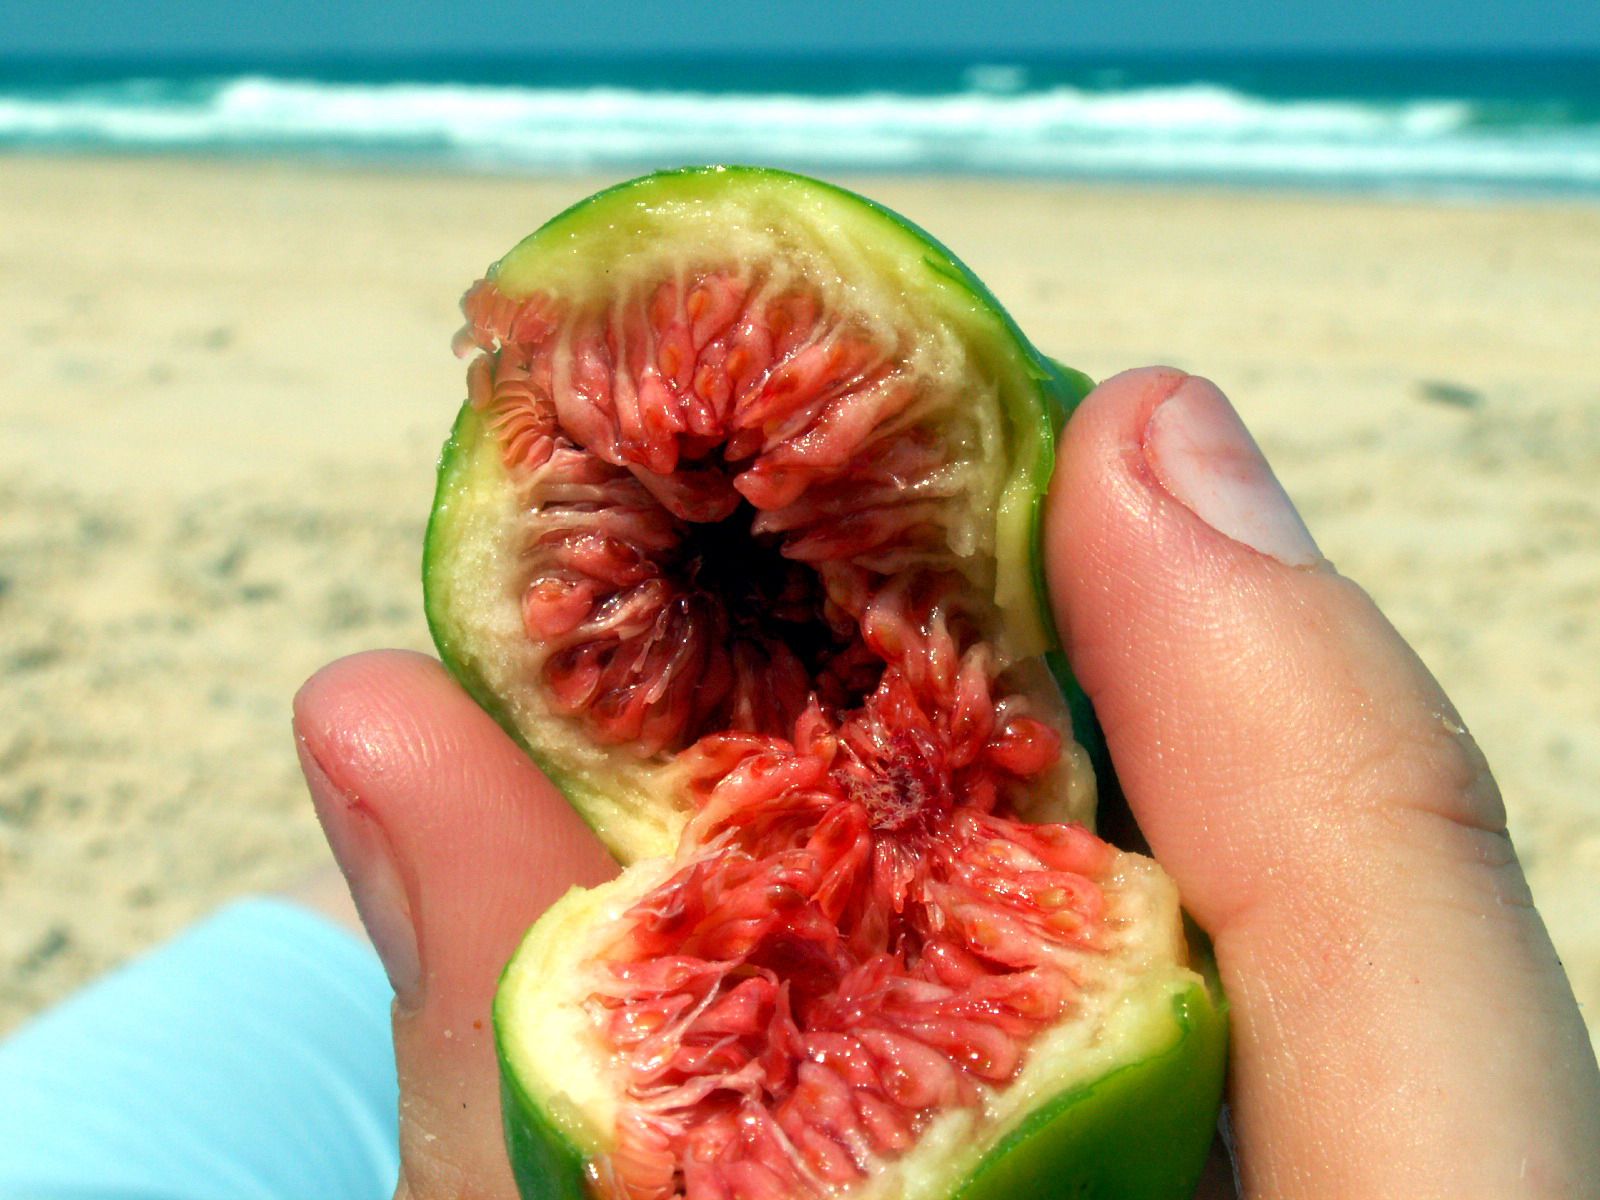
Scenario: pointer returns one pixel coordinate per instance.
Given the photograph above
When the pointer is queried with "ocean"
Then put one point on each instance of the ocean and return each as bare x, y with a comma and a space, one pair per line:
1454, 125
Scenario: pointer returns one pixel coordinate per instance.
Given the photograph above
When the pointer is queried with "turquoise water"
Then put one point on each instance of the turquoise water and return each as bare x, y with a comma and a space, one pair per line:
1458, 125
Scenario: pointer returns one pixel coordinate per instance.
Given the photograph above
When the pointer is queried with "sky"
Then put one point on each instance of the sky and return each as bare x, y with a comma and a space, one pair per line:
275, 27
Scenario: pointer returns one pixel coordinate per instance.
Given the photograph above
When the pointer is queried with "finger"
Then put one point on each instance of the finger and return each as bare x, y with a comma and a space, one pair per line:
1402, 1026
453, 843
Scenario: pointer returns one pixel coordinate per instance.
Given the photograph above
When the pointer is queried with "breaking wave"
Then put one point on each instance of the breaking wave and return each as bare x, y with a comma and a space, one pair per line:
993, 124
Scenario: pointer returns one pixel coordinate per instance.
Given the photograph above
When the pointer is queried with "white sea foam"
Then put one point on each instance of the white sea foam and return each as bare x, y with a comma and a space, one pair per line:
1196, 131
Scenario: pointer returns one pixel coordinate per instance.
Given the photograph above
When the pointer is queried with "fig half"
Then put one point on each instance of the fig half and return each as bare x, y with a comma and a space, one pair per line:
737, 534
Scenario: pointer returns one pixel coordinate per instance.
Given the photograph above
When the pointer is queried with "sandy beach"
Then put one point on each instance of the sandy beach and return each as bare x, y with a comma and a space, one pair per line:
224, 386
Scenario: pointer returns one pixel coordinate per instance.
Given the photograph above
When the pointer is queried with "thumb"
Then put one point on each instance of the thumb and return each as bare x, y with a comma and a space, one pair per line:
453, 843
1401, 1023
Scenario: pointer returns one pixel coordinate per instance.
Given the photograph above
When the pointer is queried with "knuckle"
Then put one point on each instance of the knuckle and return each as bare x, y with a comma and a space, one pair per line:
1432, 766
1436, 799
428, 1171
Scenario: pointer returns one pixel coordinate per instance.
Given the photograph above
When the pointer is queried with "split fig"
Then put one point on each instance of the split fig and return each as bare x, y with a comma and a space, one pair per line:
737, 533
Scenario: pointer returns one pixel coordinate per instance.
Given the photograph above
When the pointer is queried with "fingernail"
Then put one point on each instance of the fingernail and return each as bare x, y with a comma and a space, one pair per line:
1205, 459
364, 854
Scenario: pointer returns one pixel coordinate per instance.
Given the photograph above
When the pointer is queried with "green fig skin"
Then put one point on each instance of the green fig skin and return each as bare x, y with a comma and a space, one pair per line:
1139, 1132
545, 1165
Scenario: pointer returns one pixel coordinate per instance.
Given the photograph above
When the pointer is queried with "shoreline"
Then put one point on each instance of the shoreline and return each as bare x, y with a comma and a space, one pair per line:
377, 165
231, 378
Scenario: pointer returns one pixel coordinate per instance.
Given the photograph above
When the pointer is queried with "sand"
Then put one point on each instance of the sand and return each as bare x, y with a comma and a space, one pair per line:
224, 386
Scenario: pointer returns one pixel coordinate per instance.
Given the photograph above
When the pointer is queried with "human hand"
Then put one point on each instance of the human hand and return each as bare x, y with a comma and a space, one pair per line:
1401, 1026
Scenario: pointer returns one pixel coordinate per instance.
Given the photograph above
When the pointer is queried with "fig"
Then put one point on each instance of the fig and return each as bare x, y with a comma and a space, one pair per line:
737, 535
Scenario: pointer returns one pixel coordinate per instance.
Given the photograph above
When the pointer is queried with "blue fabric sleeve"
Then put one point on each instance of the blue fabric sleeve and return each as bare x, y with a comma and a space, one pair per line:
249, 1058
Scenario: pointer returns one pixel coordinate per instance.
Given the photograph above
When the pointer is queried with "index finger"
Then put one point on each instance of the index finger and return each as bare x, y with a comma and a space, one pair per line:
480, 840
453, 843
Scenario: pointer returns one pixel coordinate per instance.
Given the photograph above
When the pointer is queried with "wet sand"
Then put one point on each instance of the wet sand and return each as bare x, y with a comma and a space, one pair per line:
225, 386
